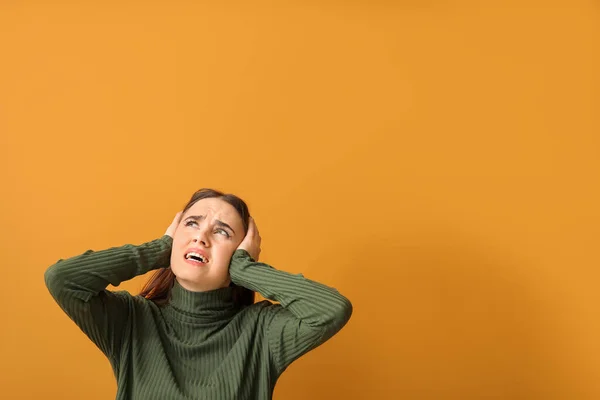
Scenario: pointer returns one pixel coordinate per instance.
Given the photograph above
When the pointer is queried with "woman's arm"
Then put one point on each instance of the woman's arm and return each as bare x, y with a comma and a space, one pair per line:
78, 285
309, 312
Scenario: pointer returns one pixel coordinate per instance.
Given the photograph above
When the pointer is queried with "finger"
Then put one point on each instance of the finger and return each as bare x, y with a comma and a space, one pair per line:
253, 222
177, 216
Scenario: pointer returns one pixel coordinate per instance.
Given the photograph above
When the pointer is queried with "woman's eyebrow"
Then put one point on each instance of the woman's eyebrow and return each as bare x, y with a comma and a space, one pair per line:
219, 223
223, 224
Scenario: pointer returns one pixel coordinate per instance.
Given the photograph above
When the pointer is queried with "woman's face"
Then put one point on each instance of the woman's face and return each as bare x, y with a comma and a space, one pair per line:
205, 239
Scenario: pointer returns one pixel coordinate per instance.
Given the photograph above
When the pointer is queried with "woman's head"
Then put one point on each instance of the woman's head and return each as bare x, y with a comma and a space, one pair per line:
211, 227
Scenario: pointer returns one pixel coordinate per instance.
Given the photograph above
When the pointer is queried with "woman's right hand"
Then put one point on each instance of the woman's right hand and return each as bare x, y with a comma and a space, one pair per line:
171, 229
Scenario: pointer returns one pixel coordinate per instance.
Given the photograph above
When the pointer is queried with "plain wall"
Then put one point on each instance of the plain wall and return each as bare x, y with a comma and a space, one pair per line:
436, 161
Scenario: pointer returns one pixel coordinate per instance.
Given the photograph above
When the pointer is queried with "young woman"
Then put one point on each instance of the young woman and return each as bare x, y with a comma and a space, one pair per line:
194, 332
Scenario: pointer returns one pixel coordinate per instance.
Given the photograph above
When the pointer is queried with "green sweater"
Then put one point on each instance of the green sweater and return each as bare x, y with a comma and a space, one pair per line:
199, 345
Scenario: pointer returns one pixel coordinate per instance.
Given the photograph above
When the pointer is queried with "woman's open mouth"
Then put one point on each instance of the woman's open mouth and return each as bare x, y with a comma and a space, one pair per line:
195, 258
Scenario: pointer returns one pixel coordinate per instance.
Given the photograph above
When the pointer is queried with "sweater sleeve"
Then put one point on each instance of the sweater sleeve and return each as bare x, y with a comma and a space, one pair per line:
78, 285
308, 314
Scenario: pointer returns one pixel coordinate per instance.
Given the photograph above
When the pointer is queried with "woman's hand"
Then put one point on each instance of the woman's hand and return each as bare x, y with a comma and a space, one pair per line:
251, 242
171, 229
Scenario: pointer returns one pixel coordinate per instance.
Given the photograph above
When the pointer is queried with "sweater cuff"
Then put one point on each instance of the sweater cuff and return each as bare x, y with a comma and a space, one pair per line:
167, 239
156, 254
241, 254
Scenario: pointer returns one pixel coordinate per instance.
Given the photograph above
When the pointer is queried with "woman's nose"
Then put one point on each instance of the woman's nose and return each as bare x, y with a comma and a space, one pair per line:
200, 237
197, 239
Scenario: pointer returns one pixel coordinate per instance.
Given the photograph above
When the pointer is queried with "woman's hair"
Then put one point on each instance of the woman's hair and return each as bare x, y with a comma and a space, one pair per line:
158, 287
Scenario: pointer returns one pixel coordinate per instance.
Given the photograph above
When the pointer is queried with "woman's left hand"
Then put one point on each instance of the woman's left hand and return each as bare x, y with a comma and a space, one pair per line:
251, 242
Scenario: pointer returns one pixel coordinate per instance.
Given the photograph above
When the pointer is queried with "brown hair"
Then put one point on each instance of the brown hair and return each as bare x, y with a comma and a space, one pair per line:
158, 287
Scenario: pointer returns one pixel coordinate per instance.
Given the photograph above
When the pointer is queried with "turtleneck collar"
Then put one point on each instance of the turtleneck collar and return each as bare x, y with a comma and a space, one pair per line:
209, 306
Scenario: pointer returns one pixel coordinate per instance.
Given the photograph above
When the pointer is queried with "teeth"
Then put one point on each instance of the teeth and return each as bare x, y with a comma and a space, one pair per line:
200, 256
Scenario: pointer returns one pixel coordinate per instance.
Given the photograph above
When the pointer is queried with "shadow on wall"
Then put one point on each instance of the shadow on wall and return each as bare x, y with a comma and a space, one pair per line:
435, 318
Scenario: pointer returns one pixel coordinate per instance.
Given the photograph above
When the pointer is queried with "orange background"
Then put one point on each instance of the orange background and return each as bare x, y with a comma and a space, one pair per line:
436, 161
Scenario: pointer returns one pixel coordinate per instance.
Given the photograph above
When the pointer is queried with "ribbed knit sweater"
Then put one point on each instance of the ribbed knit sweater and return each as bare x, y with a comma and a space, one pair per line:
199, 345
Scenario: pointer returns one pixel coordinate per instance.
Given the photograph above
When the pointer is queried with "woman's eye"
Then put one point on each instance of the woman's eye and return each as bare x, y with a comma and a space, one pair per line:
219, 231
222, 231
